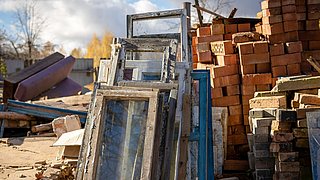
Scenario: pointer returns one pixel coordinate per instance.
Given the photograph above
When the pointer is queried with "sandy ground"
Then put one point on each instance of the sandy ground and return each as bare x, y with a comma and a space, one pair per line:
19, 155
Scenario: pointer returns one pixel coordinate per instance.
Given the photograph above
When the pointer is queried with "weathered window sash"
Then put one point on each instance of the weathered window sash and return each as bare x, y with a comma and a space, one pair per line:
94, 128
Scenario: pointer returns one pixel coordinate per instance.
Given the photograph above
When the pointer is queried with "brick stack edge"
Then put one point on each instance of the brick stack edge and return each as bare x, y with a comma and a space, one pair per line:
290, 33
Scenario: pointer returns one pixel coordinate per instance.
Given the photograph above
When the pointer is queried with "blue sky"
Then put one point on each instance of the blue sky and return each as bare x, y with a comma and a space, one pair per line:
73, 22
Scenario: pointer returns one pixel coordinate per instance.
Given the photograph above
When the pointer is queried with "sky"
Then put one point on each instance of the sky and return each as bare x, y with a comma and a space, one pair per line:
72, 23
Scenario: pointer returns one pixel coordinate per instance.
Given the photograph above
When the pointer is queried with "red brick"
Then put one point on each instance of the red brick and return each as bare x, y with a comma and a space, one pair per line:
222, 47
286, 59
245, 48
288, 2
279, 71
291, 36
289, 26
313, 2
270, 4
248, 69
288, 9
277, 38
254, 59
273, 29
301, 9
203, 47
194, 41
301, 2
209, 38
237, 139
248, 89
246, 123
226, 101
293, 69
195, 65
216, 92
231, 28
195, 58
233, 90
235, 110
273, 19
314, 15
246, 98
271, 11
227, 36
276, 49
260, 47
263, 68
312, 25
301, 17
245, 109
263, 87
237, 129
217, 29
221, 71
309, 35
289, 17
314, 45
293, 47
235, 120
226, 81
244, 27
203, 31
254, 79
227, 60
205, 57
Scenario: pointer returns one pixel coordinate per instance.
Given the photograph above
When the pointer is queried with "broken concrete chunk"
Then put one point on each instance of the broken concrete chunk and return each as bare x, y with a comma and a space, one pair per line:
268, 102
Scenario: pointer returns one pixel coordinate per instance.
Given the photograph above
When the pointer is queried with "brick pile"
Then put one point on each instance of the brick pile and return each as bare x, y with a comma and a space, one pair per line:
242, 64
280, 26
279, 145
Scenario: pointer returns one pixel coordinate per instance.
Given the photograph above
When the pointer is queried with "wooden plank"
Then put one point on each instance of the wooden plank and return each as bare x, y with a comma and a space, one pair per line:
41, 127
169, 140
185, 132
15, 116
299, 83
157, 15
153, 85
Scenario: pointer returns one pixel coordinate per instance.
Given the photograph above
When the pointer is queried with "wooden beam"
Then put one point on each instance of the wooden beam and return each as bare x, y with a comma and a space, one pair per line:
207, 11
15, 116
41, 127
314, 63
198, 12
233, 12
298, 83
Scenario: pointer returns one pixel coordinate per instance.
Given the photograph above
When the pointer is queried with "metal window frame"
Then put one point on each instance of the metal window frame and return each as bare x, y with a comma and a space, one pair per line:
94, 128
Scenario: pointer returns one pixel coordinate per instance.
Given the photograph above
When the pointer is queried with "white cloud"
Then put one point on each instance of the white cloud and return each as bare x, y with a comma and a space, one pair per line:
72, 23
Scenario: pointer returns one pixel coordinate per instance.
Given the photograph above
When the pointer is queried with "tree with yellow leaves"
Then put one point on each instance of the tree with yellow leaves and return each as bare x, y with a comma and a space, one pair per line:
77, 53
98, 49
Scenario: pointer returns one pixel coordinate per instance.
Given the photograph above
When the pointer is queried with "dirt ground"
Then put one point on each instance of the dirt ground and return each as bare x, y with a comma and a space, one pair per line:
19, 157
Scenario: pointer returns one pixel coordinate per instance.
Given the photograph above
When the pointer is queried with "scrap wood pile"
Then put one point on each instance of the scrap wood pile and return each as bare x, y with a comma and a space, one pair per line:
245, 56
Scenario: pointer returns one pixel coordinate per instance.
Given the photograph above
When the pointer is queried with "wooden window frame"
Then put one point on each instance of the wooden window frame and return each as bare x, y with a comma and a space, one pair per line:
94, 128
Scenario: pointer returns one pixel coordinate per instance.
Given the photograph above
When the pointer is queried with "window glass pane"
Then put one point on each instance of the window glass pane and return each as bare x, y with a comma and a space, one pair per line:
123, 141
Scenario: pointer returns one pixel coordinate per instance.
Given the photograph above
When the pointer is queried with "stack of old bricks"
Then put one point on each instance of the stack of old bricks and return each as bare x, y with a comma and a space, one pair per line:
308, 13
279, 139
215, 51
255, 71
280, 26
